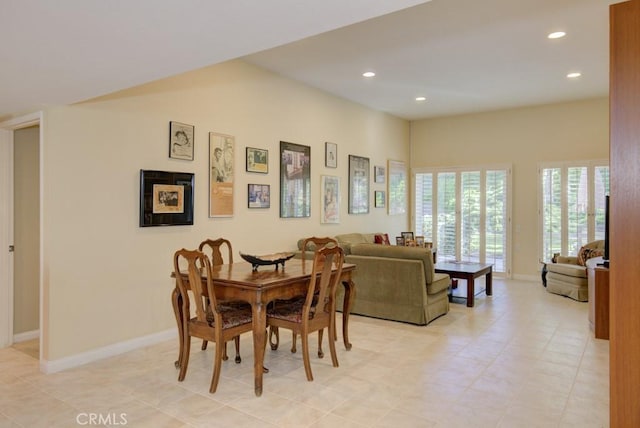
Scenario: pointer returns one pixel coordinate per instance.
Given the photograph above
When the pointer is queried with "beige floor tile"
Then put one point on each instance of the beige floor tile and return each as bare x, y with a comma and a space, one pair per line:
523, 357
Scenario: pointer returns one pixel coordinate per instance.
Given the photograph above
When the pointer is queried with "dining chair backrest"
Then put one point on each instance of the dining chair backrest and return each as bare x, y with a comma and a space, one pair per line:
214, 246
204, 297
314, 243
324, 280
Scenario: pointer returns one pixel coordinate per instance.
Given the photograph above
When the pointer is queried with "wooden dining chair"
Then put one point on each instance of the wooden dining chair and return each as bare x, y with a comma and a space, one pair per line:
213, 321
213, 249
317, 310
309, 245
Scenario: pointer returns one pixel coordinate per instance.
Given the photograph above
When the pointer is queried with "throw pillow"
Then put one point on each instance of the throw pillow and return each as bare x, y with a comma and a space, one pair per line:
381, 239
586, 253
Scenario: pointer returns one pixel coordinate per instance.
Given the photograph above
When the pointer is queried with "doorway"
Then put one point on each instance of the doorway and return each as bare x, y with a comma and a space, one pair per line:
20, 237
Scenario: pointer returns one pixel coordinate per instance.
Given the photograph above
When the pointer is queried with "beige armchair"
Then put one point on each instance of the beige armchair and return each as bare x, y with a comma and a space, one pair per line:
567, 275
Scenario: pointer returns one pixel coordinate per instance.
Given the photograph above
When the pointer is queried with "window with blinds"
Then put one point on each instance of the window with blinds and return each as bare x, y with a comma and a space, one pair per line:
572, 205
465, 213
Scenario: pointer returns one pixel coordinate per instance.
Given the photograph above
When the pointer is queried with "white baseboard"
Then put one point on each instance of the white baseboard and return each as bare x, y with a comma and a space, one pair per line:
27, 335
105, 352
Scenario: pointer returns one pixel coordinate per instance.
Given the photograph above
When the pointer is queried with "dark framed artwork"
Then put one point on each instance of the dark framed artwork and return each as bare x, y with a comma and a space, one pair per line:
358, 185
181, 141
259, 196
400, 241
379, 198
257, 160
166, 198
295, 180
221, 178
330, 155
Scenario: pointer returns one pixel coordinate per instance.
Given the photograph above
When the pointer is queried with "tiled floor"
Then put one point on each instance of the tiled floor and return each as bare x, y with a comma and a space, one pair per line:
522, 358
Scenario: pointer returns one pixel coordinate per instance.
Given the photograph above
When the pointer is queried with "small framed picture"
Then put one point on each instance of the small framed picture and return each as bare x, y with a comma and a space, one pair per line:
419, 241
407, 236
400, 241
378, 174
379, 198
331, 155
257, 160
181, 141
259, 196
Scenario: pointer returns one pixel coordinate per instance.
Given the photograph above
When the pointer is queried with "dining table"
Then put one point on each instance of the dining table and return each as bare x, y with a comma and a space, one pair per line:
240, 281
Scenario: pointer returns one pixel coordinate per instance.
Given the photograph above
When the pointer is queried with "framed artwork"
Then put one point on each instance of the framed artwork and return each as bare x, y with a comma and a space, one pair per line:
419, 241
331, 155
378, 174
330, 205
379, 198
397, 187
181, 141
166, 198
257, 160
295, 180
358, 185
221, 161
259, 196
400, 241
407, 236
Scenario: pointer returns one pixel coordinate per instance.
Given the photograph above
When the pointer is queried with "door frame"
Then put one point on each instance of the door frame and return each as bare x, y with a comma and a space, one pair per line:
7, 129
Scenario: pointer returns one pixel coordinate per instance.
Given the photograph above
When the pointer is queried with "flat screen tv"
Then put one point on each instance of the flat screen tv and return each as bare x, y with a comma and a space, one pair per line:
606, 231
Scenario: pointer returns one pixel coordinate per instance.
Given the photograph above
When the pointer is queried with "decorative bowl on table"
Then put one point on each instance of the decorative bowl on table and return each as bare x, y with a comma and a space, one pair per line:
267, 259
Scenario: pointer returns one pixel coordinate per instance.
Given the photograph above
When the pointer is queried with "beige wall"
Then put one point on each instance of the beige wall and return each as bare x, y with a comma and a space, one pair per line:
108, 279
523, 137
26, 291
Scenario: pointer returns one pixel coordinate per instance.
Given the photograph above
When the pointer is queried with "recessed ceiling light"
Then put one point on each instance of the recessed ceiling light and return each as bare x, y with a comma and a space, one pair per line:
574, 75
368, 74
557, 35
421, 98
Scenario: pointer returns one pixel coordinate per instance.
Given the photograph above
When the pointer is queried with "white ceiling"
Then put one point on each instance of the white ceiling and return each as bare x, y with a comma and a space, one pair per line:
56, 52
463, 55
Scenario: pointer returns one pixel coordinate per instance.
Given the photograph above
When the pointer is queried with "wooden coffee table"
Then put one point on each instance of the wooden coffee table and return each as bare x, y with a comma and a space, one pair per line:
468, 271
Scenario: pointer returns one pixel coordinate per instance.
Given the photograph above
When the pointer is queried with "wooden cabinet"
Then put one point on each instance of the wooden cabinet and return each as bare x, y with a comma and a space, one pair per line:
599, 301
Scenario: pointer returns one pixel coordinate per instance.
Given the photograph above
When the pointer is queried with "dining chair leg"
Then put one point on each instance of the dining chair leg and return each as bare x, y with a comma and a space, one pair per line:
237, 340
274, 332
184, 358
204, 345
320, 352
293, 343
332, 346
305, 355
217, 366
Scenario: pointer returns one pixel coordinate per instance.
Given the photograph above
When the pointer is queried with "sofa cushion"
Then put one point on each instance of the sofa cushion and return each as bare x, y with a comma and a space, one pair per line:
576, 271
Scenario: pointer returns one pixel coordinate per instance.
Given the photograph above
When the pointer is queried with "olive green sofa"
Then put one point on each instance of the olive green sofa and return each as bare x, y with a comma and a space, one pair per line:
393, 283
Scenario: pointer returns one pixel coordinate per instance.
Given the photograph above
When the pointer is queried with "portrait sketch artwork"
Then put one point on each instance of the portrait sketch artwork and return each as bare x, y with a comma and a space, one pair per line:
330, 199
181, 141
221, 167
